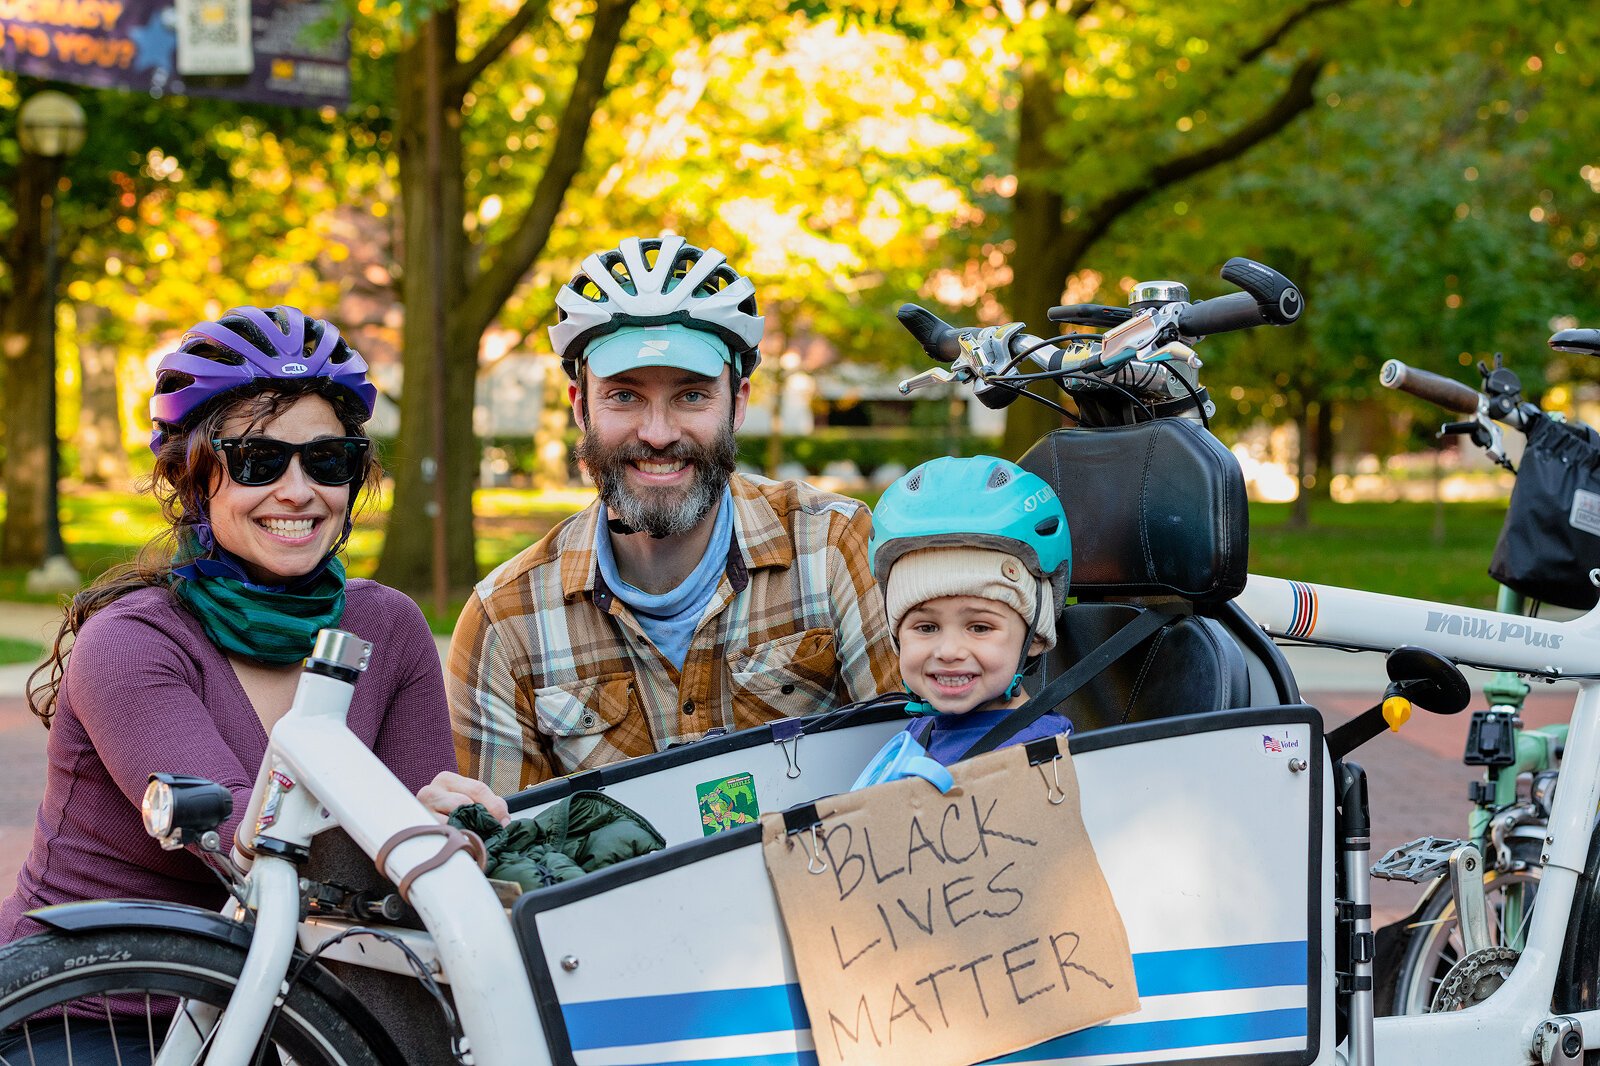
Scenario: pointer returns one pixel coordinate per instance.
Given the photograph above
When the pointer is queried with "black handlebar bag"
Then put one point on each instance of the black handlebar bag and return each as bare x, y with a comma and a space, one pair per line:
1551, 539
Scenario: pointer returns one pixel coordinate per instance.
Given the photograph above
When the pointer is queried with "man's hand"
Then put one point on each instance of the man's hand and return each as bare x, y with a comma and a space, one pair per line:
450, 790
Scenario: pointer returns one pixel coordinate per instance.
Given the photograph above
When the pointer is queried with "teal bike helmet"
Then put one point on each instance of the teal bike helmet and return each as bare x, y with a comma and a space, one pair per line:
976, 502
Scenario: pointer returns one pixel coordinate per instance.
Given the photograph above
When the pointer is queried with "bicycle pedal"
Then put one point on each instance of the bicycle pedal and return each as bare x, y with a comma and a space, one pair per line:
1419, 861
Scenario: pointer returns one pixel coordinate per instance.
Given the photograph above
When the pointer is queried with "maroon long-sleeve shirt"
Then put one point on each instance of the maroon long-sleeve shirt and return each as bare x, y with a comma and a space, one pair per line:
146, 691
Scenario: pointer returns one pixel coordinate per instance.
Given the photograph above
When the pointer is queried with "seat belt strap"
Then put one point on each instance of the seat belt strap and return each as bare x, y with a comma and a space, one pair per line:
1124, 640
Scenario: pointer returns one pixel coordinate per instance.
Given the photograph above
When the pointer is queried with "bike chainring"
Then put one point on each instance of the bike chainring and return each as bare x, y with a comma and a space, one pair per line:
1474, 979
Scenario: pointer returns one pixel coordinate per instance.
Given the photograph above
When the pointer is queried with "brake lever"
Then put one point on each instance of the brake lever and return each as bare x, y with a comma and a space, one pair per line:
1485, 433
936, 376
1174, 352
1138, 333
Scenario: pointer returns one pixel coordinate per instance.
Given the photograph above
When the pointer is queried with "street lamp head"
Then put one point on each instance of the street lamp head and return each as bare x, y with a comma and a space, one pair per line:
51, 124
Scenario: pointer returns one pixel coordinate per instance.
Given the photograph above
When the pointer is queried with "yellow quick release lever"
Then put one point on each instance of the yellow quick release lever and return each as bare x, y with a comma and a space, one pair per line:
1397, 712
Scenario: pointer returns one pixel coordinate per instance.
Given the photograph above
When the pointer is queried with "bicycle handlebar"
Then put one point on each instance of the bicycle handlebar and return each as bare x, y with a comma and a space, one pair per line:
1101, 316
940, 340
1445, 392
1224, 314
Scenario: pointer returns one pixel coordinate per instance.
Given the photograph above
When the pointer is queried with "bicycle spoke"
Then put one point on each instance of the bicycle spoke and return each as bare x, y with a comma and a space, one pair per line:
116, 1050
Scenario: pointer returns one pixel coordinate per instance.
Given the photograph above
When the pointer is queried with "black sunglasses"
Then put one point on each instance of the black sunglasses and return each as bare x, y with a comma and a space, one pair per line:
259, 461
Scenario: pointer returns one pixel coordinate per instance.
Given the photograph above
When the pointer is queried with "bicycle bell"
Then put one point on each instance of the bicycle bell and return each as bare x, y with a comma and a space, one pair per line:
1156, 293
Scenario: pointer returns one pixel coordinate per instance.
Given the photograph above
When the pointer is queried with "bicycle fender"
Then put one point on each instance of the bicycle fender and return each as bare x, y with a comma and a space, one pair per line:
98, 915
105, 915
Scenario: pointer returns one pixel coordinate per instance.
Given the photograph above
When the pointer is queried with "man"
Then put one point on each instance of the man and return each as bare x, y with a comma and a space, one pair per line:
687, 597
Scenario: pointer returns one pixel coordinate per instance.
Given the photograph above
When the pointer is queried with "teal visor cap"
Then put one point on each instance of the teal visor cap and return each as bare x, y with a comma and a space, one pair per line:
671, 345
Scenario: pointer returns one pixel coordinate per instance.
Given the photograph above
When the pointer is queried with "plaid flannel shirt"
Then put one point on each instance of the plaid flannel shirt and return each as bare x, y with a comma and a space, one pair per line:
549, 673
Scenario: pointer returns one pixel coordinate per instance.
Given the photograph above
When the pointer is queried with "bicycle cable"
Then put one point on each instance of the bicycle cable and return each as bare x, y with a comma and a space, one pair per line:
460, 1047
1020, 356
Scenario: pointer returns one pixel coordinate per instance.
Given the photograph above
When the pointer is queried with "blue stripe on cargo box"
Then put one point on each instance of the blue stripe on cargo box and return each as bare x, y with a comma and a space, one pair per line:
776, 1008
1170, 973
1173, 1035
1176, 1033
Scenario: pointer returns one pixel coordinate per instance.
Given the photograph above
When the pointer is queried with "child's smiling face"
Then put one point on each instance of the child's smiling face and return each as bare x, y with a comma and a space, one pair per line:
961, 652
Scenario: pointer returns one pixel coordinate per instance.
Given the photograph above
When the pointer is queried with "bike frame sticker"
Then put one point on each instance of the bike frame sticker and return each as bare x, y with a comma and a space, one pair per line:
1304, 619
728, 802
280, 784
1585, 511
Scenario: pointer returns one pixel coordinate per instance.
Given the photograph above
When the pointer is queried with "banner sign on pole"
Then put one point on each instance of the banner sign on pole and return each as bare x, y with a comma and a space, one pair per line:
256, 51
214, 37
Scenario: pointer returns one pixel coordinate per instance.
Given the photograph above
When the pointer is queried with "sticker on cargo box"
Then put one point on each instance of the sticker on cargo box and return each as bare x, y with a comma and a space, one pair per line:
727, 803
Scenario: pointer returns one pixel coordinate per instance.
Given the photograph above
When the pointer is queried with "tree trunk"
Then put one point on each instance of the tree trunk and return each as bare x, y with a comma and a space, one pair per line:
1322, 473
29, 367
1300, 512
101, 457
1039, 267
407, 561
469, 290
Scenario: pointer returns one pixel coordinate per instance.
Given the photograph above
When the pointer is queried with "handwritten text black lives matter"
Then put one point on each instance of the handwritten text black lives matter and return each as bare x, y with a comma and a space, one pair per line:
904, 903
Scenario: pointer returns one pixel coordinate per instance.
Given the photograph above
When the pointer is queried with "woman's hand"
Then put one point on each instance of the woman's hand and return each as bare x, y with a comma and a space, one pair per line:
450, 790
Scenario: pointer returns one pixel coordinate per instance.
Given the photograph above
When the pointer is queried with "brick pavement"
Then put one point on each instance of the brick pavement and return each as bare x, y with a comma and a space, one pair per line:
1416, 780
22, 765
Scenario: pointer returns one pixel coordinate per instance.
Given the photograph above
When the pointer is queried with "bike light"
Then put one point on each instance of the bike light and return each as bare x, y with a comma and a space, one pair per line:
178, 810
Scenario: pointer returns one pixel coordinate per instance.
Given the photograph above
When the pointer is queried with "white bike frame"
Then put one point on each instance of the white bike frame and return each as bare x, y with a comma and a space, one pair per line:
1500, 1029
317, 774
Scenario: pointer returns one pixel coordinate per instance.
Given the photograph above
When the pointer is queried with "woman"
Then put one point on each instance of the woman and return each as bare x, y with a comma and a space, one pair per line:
182, 660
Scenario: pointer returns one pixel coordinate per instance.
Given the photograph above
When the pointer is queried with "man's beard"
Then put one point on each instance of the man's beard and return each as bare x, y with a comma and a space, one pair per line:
660, 511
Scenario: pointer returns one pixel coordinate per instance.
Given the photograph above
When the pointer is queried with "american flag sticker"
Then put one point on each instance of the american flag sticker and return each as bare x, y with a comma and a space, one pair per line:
1282, 744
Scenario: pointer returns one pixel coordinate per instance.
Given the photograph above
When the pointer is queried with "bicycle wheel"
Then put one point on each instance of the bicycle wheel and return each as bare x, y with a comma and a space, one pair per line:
119, 996
1433, 945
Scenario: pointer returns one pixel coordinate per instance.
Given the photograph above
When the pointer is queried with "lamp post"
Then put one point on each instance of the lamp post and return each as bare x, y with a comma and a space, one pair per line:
51, 126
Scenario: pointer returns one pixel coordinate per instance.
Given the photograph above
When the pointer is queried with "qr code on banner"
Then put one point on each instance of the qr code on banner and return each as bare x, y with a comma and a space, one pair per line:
213, 22
214, 37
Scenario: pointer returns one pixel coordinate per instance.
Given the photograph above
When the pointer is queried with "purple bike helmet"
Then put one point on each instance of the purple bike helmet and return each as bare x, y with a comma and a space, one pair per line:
247, 345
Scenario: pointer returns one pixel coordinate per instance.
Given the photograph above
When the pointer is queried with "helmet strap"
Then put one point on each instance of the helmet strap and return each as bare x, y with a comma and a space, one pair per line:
916, 705
1027, 642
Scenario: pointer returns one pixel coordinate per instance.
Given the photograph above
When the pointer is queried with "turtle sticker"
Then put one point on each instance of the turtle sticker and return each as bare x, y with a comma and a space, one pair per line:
727, 803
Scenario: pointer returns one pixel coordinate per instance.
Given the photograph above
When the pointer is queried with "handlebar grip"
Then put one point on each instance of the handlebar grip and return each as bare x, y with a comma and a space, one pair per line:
1581, 341
1091, 315
1448, 393
1237, 310
1280, 302
938, 338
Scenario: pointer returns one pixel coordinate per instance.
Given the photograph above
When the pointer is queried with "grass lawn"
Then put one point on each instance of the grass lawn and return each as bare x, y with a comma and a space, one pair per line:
1383, 547
19, 651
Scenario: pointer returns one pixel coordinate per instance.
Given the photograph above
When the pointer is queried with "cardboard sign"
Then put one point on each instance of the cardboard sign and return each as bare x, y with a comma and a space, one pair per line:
943, 930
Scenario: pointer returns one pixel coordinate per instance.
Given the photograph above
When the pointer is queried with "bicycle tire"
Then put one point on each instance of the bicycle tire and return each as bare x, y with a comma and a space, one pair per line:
96, 980
1432, 945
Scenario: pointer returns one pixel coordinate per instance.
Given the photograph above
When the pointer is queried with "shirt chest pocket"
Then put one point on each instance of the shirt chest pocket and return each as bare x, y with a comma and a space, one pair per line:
789, 677
576, 717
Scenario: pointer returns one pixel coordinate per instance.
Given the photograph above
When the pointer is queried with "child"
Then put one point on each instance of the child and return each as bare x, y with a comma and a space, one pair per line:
974, 558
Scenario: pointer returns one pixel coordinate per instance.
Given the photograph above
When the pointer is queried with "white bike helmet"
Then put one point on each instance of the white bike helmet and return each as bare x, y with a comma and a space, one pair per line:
652, 282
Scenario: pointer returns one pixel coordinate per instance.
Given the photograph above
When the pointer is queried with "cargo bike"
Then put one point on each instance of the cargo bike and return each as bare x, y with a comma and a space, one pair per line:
1230, 827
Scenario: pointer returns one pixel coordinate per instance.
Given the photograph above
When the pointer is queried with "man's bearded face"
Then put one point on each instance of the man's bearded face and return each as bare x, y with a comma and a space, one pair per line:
627, 473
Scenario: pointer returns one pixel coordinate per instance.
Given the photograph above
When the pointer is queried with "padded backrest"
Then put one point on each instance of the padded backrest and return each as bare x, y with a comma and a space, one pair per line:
1190, 666
1155, 509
